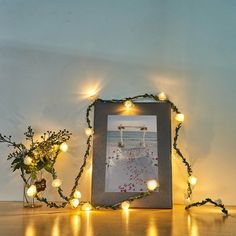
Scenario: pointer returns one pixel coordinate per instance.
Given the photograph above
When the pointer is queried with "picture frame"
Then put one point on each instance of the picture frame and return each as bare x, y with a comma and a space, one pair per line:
122, 165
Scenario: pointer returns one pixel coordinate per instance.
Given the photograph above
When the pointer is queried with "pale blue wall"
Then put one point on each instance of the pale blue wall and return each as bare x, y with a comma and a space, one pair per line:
51, 50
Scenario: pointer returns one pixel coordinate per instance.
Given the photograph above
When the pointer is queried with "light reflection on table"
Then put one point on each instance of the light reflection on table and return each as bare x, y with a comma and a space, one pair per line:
61, 222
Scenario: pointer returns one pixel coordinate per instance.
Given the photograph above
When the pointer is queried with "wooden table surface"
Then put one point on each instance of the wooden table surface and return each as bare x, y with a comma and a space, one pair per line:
207, 220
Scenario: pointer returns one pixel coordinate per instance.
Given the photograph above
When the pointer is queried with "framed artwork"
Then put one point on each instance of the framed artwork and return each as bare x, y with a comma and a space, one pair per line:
130, 148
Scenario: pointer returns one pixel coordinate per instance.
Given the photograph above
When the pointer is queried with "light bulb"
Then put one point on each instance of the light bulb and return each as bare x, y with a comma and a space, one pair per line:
218, 201
128, 104
56, 183
74, 202
125, 205
152, 185
192, 180
162, 96
187, 201
32, 191
77, 194
88, 131
28, 160
179, 117
86, 206
64, 147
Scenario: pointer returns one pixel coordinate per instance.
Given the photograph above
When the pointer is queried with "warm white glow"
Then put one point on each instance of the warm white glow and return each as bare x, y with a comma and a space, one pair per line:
91, 93
152, 228
192, 226
30, 229
86, 206
128, 104
192, 180
32, 191
179, 117
77, 194
90, 168
174, 156
162, 96
88, 131
91, 87
56, 227
76, 224
89, 165
64, 147
125, 205
152, 185
28, 160
218, 201
187, 201
56, 183
74, 202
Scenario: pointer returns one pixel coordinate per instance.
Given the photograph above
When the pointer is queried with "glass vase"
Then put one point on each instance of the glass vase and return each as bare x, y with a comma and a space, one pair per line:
31, 187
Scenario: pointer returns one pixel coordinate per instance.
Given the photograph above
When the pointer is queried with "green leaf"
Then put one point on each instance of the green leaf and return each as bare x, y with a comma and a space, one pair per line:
17, 166
17, 160
48, 168
40, 165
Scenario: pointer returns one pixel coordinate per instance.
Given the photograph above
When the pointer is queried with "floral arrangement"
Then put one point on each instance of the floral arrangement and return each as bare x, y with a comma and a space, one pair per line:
36, 155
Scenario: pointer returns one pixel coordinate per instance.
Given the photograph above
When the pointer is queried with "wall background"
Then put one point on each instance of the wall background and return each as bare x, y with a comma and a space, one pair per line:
52, 52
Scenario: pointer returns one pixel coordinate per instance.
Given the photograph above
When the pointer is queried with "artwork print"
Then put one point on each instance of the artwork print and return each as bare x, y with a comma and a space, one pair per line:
131, 152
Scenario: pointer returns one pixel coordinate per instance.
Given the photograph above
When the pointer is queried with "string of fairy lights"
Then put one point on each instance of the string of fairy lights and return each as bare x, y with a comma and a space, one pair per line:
75, 196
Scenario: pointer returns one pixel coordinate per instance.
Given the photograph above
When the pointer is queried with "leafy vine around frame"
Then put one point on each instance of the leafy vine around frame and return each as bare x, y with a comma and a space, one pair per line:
50, 139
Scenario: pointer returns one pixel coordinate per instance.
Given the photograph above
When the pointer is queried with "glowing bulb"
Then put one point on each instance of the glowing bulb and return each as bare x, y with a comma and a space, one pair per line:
152, 185
74, 202
88, 131
125, 205
64, 147
28, 160
218, 201
179, 117
162, 96
32, 191
77, 194
128, 104
187, 201
86, 206
56, 183
192, 180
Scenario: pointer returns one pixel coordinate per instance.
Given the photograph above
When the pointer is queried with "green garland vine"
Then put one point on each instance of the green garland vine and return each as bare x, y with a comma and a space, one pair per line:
52, 138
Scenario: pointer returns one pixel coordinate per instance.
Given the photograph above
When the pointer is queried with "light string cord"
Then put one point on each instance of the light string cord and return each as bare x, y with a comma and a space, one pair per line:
67, 199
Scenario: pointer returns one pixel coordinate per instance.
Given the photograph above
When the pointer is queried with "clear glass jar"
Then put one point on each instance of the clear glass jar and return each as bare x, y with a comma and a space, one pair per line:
31, 188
